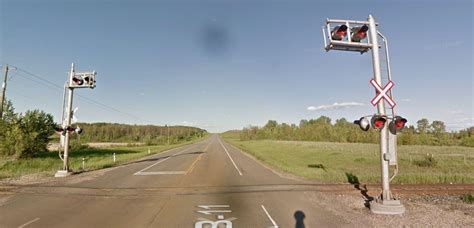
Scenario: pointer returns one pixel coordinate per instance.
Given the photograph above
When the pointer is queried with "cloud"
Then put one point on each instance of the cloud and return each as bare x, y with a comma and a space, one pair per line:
186, 123
334, 106
460, 123
454, 112
406, 100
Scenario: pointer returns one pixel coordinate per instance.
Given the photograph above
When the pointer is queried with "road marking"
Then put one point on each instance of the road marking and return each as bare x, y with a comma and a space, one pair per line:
190, 169
207, 207
28, 223
270, 217
232, 160
161, 173
213, 224
214, 211
160, 161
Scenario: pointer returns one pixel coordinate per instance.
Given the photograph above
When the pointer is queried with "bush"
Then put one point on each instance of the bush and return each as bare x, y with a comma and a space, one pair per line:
25, 135
428, 161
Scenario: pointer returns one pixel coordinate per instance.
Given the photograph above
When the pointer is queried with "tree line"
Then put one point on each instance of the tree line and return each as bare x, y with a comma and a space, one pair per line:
321, 129
26, 135
148, 134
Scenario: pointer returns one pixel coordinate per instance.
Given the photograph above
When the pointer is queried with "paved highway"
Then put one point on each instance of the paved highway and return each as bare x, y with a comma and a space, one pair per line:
207, 184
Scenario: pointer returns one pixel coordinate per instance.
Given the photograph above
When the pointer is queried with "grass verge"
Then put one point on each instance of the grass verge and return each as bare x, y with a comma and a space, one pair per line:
94, 158
332, 162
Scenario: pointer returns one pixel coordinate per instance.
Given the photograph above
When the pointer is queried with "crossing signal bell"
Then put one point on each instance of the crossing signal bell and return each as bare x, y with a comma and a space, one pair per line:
359, 33
363, 123
378, 121
397, 124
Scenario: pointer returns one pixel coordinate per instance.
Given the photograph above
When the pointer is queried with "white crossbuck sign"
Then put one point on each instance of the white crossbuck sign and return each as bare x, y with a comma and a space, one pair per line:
382, 93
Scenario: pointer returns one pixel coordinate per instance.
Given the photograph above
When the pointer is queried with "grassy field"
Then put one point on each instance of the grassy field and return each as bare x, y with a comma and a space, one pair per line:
336, 162
95, 158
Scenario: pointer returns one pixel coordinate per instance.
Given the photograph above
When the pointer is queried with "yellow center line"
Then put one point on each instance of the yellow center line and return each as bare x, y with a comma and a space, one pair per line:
190, 169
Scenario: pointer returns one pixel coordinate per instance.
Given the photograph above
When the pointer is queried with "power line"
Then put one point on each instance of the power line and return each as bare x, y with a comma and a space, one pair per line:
41, 80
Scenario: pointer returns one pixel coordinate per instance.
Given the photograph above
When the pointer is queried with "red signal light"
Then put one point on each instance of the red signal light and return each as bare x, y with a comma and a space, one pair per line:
359, 33
339, 32
77, 81
397, 124
378, 121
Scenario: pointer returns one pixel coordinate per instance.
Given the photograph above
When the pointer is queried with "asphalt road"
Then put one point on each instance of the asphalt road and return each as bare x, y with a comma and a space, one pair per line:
206, 184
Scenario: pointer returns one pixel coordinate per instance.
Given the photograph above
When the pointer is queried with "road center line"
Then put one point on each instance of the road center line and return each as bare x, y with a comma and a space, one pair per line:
270, 217
28, 223
190, 169
232, 160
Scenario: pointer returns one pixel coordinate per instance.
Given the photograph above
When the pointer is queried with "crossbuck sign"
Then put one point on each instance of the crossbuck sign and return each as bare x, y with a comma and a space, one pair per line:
382, 93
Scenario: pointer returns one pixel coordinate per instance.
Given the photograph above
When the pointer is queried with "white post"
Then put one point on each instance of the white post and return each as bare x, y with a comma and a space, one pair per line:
114, 157
380, 108
68, 121
83, 164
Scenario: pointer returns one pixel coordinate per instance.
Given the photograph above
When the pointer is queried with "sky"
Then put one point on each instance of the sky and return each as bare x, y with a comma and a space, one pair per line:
224, 65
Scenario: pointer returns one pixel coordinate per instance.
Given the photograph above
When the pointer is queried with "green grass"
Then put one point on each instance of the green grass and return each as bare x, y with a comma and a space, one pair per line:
332, 162
48, 163
468, 198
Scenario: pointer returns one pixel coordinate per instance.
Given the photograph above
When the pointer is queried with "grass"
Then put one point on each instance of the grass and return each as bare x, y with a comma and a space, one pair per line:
331, 162
468, 198
48, 163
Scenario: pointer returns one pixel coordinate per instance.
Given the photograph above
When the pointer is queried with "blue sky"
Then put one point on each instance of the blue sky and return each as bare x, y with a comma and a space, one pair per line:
228, 64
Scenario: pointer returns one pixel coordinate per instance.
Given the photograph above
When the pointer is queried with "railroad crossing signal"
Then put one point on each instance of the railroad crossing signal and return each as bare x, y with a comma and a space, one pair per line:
397, 124
359, 33
83, 80
339, 32
382, 93
75, 80
362, 36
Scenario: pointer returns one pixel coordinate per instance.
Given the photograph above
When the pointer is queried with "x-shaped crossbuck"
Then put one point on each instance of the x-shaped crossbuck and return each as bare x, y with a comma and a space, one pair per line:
382, 93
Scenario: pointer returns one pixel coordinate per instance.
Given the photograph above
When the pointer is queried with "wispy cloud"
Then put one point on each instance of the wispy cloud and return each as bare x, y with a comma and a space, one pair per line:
334, 106
460, 123
186, 123
454, 112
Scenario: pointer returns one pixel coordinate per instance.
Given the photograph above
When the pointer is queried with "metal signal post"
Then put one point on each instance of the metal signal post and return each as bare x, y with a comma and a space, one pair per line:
75, 80
350, 35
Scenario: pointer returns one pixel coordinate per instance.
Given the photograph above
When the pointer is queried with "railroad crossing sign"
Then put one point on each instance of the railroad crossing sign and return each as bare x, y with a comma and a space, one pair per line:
382, 93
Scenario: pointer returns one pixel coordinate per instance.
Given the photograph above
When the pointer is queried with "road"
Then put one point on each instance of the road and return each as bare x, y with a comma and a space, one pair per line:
206, 184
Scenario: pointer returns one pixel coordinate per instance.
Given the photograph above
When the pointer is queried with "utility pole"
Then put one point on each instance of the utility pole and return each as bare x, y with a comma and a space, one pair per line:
4, 88
75, 80
168, 134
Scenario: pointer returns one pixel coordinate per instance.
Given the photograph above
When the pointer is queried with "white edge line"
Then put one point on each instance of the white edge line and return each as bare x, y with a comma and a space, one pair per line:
162, 173
28, 223
232, 160
160, 161
270, 217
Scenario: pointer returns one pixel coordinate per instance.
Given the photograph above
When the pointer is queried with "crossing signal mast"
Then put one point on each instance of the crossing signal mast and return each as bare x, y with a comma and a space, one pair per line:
362, 36
76, 80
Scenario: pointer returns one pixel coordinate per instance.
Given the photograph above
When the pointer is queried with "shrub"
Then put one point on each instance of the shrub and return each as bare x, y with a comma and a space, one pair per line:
428, 161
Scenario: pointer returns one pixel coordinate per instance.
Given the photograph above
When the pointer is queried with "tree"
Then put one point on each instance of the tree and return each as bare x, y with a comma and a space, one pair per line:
36, 127
438, 127
423, 126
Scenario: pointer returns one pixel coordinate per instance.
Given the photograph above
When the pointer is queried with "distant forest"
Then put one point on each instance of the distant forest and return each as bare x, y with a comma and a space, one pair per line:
148, 134
321, 129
